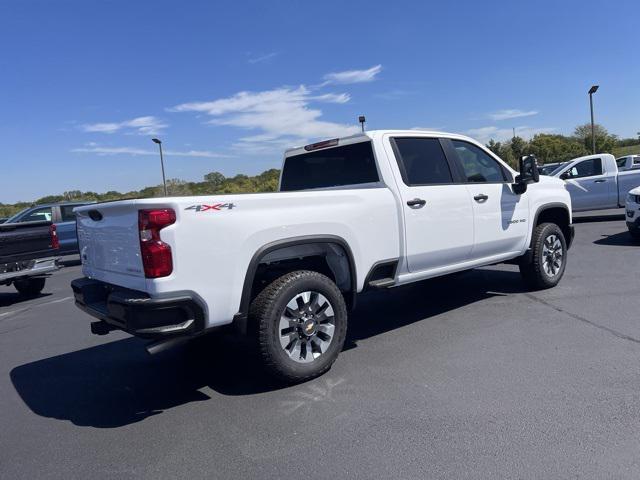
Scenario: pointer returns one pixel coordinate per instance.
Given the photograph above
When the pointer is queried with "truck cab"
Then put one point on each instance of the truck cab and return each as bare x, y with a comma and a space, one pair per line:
595, 183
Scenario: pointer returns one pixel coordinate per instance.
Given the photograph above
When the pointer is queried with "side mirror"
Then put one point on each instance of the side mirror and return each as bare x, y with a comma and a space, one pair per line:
564, 176
529, 173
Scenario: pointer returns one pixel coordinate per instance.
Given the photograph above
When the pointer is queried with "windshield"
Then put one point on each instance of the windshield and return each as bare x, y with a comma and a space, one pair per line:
557, 169
16, 216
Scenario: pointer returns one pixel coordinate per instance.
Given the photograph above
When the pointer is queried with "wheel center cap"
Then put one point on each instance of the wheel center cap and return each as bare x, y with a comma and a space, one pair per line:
309, 327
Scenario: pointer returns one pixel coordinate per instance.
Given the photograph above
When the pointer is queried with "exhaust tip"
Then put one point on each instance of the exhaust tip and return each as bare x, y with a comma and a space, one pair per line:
159, 346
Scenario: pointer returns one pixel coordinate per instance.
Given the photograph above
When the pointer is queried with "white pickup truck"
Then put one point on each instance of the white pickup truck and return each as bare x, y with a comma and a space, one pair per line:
633, 213
595, 183
630, 162
376, 210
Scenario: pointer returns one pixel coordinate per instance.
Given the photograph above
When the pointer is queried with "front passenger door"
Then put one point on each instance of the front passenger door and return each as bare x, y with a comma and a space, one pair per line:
501, 217
589, 186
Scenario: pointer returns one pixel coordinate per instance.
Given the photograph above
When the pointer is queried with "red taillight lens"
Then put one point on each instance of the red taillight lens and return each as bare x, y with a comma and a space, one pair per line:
156, 255
53, 233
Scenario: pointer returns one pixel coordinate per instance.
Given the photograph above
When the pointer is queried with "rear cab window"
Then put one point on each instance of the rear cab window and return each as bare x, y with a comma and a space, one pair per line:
344, 165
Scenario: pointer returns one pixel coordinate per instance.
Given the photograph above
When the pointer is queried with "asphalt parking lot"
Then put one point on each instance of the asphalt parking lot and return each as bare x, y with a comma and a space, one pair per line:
464, 377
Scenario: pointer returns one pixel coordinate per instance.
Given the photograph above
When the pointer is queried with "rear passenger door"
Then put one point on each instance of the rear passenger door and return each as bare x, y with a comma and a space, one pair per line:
438, 214
501, 217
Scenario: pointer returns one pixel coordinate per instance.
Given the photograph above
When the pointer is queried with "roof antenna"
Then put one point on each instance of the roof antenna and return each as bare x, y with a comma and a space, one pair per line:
361, 119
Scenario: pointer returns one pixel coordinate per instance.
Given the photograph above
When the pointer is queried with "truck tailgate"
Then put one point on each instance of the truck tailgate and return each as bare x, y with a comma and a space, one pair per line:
28, 240
109, 243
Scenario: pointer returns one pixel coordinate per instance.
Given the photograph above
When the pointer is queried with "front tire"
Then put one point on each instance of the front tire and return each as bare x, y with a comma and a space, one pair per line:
29, 287
548, 259
634, 232
301, 321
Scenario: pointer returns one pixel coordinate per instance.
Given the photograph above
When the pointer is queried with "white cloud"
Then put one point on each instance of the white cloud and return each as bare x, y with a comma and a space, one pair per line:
147, 125
278, 115
352, 76
511, 113
484, 134
105, 151
262, 58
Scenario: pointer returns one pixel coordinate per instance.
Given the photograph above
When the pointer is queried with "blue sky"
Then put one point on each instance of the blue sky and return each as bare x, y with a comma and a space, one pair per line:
229, 85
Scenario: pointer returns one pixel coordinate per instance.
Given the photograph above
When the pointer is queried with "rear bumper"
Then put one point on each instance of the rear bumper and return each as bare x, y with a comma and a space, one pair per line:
137, 313
31, 268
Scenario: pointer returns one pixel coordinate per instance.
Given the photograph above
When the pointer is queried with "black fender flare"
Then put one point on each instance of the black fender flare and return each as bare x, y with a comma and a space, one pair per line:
240, 318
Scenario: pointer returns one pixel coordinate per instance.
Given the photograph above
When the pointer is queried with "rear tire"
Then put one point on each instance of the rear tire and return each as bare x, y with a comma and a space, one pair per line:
29, 287
548, 257
301, 322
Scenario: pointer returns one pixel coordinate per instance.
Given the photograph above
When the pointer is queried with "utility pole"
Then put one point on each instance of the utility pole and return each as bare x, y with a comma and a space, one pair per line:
164, 182
592, 90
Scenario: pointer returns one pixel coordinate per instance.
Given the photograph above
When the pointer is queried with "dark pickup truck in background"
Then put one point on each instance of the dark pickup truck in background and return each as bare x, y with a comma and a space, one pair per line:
61, 215
28, 252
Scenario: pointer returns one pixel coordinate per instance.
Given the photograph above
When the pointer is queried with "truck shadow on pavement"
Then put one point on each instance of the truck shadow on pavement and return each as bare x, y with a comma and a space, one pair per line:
11, 298
611, 217
622, 239
118, 383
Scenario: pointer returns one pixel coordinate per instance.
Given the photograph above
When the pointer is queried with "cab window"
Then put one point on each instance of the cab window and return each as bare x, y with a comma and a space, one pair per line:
586, 168
38, 214
66, 211
422, 161
478, 166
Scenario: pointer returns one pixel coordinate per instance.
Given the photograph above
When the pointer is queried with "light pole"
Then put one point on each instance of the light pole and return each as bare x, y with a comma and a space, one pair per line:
164, 182
592, 90
361, 119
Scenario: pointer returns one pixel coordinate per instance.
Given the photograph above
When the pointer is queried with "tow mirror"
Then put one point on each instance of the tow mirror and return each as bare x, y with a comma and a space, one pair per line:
564, 176
529, 173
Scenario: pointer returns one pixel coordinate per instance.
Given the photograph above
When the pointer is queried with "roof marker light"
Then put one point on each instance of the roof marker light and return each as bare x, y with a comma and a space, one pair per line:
316, 146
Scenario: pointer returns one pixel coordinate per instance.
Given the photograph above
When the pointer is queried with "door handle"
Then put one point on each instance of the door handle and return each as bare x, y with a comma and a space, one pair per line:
481, 198
416, 203
602, 180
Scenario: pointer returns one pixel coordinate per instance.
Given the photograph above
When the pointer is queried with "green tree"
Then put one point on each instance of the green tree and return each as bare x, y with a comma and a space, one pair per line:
518, 147
555, 148
605, 142
215, 179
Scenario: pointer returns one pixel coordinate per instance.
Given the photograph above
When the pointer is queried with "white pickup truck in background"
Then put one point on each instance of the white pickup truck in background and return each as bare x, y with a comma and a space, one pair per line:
372, 211
595, 183
632, 211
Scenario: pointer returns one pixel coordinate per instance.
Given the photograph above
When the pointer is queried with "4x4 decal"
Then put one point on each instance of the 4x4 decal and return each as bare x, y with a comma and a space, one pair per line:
215, 207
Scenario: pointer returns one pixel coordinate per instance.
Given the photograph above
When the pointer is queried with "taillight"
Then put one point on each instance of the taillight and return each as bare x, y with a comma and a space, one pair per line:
156, 255
53, 234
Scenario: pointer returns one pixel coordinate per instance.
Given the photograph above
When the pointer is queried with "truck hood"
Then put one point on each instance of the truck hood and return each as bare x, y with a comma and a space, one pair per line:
547, 180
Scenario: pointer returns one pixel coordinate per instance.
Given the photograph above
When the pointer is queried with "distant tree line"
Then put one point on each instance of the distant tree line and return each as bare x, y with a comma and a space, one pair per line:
550, 148
213, 183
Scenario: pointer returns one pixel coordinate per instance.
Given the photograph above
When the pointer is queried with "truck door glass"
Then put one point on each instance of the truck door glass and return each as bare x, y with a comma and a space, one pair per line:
38, 214
478, 166
67, 213
422, 161
586, 168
